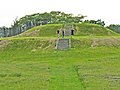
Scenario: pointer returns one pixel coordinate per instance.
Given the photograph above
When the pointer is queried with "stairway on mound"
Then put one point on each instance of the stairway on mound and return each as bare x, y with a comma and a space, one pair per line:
63, 44
68, 29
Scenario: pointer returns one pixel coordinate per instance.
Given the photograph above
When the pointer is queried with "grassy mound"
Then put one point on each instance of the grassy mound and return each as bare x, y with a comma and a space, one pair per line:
32, 62
80, 30
85, 29
48, 30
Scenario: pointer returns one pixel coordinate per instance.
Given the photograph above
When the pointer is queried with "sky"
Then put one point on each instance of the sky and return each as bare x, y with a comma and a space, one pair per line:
106, 10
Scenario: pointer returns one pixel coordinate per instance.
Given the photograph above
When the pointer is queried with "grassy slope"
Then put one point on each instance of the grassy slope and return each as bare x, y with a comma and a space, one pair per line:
80, 30
34, 64
85, 29
42, 31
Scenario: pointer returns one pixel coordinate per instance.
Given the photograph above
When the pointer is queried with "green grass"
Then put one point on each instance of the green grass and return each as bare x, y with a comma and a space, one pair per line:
48, 30
30, 61
85, 29
82, 29
34, 64
24, 75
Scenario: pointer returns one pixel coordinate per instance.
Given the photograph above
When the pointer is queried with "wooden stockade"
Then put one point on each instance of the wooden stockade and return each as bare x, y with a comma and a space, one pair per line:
63, 44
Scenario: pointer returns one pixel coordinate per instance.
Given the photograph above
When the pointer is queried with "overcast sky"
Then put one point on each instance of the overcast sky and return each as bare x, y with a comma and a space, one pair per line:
107, 10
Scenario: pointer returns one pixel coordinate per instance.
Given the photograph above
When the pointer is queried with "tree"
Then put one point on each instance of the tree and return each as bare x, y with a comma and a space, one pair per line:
114, 27
55, 17
99, 22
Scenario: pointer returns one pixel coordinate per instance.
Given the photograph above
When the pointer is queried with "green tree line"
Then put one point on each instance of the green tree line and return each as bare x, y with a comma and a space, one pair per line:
114, 27
99, 22
53, 17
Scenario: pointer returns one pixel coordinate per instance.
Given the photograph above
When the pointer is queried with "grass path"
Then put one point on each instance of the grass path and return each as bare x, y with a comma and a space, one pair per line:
65, 78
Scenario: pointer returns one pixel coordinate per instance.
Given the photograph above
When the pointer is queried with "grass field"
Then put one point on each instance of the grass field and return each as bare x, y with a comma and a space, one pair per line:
34, 64
30, 61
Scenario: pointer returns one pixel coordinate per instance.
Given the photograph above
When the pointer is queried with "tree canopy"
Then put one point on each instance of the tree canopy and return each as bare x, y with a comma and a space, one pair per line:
114, 27
53, 17
99, 22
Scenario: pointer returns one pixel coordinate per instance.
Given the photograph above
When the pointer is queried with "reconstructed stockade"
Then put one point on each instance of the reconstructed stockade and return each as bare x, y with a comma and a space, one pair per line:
12, 31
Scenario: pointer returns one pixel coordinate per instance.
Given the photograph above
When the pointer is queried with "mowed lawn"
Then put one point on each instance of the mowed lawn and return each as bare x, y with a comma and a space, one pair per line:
29, 65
